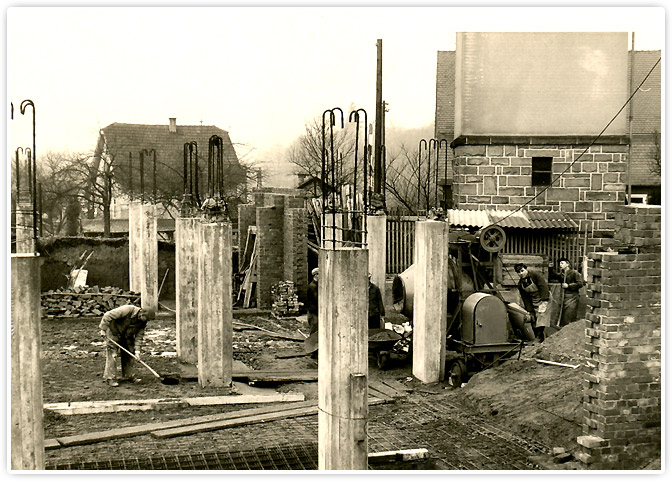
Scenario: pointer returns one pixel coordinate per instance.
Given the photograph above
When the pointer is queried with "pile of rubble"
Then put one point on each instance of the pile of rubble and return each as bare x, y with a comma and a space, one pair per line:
285, 300
85, 301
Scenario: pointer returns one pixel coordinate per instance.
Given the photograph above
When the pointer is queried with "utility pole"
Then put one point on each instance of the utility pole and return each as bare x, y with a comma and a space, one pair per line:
380, 114
632, 85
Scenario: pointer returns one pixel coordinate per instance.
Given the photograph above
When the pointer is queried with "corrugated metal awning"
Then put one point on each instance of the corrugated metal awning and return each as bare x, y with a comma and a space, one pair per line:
523, 219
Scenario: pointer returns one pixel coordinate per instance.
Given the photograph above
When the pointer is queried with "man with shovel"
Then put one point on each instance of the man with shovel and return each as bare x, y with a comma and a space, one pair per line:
124, 326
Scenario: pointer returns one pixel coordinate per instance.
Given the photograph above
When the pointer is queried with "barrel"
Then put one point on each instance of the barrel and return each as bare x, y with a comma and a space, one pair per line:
519, 319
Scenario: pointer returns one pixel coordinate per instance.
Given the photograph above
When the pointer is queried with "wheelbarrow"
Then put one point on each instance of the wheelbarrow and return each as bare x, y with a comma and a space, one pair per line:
386, 344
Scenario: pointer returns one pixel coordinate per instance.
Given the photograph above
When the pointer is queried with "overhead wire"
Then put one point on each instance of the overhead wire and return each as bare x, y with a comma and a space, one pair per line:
585, 150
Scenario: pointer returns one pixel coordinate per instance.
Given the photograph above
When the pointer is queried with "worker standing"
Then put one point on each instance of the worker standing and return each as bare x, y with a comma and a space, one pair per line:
124, 325
376, 307
535, 295
571, 283
312, 302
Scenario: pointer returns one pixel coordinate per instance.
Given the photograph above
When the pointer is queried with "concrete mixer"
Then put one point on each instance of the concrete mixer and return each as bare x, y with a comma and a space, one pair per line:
482, 327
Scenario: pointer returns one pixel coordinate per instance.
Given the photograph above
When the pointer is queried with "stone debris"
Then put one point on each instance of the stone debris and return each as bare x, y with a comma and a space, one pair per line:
85, 301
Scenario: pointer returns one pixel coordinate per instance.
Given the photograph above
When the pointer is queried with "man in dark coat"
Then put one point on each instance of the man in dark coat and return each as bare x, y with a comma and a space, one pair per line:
126, 326
571, 283
534, 293
376, 307
312, 302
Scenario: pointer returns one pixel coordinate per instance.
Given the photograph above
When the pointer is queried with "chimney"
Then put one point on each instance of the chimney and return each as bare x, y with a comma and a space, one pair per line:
173, 125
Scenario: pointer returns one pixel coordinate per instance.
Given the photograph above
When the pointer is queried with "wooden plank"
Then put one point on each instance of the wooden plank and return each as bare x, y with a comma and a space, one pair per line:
255, 376
396, 385
377, 394
400, 455
228, 423
243, 421
388, 391
94, 407
98, 436
51, 444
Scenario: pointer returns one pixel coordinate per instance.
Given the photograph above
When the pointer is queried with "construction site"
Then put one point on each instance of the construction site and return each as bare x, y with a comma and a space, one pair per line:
450, 376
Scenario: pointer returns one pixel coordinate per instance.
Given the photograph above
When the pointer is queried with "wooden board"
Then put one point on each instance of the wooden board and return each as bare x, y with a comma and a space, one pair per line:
98, 436
303, 375
377, 394
397, 386
387, 390
242, 421
95, 407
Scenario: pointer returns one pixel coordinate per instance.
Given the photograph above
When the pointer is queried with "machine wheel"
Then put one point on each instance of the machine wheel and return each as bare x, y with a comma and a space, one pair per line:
492, 238
457, 374
383, 359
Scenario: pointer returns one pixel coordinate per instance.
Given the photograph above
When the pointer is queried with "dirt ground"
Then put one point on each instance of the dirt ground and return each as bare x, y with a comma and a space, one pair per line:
537, 401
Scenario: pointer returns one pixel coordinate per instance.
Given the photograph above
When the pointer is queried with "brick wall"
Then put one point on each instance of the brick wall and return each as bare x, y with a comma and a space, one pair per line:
270, 253
295, 250
282, 234
622, 393
498, 174
247, 216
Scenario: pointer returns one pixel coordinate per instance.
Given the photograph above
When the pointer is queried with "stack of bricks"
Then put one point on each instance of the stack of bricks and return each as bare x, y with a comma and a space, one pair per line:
622, 393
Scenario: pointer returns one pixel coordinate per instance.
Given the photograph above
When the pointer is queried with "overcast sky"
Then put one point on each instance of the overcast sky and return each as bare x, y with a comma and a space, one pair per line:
259, 73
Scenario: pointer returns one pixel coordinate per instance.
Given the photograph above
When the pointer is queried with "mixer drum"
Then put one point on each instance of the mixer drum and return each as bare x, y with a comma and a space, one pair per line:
484, 319
403, 288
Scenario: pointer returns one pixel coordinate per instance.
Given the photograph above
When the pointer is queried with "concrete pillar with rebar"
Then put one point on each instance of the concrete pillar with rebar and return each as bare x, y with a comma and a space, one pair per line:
215, 315
27, 433
149, 283
186, 288
343, 358
376, 226
430, 300
134, 245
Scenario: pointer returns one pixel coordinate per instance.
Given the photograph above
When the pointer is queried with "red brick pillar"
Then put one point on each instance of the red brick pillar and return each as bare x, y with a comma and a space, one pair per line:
247, 216
622, 393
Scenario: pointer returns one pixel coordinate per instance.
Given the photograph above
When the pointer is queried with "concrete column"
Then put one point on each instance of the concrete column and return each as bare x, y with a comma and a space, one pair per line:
215, 316
430, 298
343, 359
376, 243
186, 288
135, 245
27, 440
329, 233
25, 240
149, 282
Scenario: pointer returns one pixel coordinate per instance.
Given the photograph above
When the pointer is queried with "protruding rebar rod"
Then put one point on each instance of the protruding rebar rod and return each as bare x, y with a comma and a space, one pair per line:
18, 172
29, 103
419, 171
39, 191
193, 185
432, 142
130, 175
445, 169
186, 160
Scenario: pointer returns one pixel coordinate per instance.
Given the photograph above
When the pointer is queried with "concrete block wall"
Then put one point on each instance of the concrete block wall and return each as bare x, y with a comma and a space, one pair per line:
622, 383
499, 175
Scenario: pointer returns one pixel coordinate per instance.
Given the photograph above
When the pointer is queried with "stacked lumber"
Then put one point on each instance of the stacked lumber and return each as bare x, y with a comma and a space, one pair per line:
85, 301
285, 301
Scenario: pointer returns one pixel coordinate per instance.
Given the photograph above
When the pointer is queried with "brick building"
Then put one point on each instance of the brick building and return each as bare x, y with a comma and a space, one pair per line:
524, 127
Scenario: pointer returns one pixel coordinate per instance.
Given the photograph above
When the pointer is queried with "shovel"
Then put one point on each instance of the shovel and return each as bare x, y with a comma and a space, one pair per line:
170, 381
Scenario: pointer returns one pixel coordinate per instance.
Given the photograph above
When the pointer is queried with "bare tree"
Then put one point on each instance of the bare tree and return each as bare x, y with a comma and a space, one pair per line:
306, 152
655, 166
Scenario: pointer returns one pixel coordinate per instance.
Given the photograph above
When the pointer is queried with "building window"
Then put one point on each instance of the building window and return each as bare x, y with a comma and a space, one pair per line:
542, 168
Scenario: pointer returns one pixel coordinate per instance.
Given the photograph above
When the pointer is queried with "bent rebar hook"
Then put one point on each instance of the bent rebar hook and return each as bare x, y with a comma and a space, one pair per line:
445, 169
332, 122
417, 209
190, 178
365, 202
433, 142
32, 164
147, 152
216, 167
130, 175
